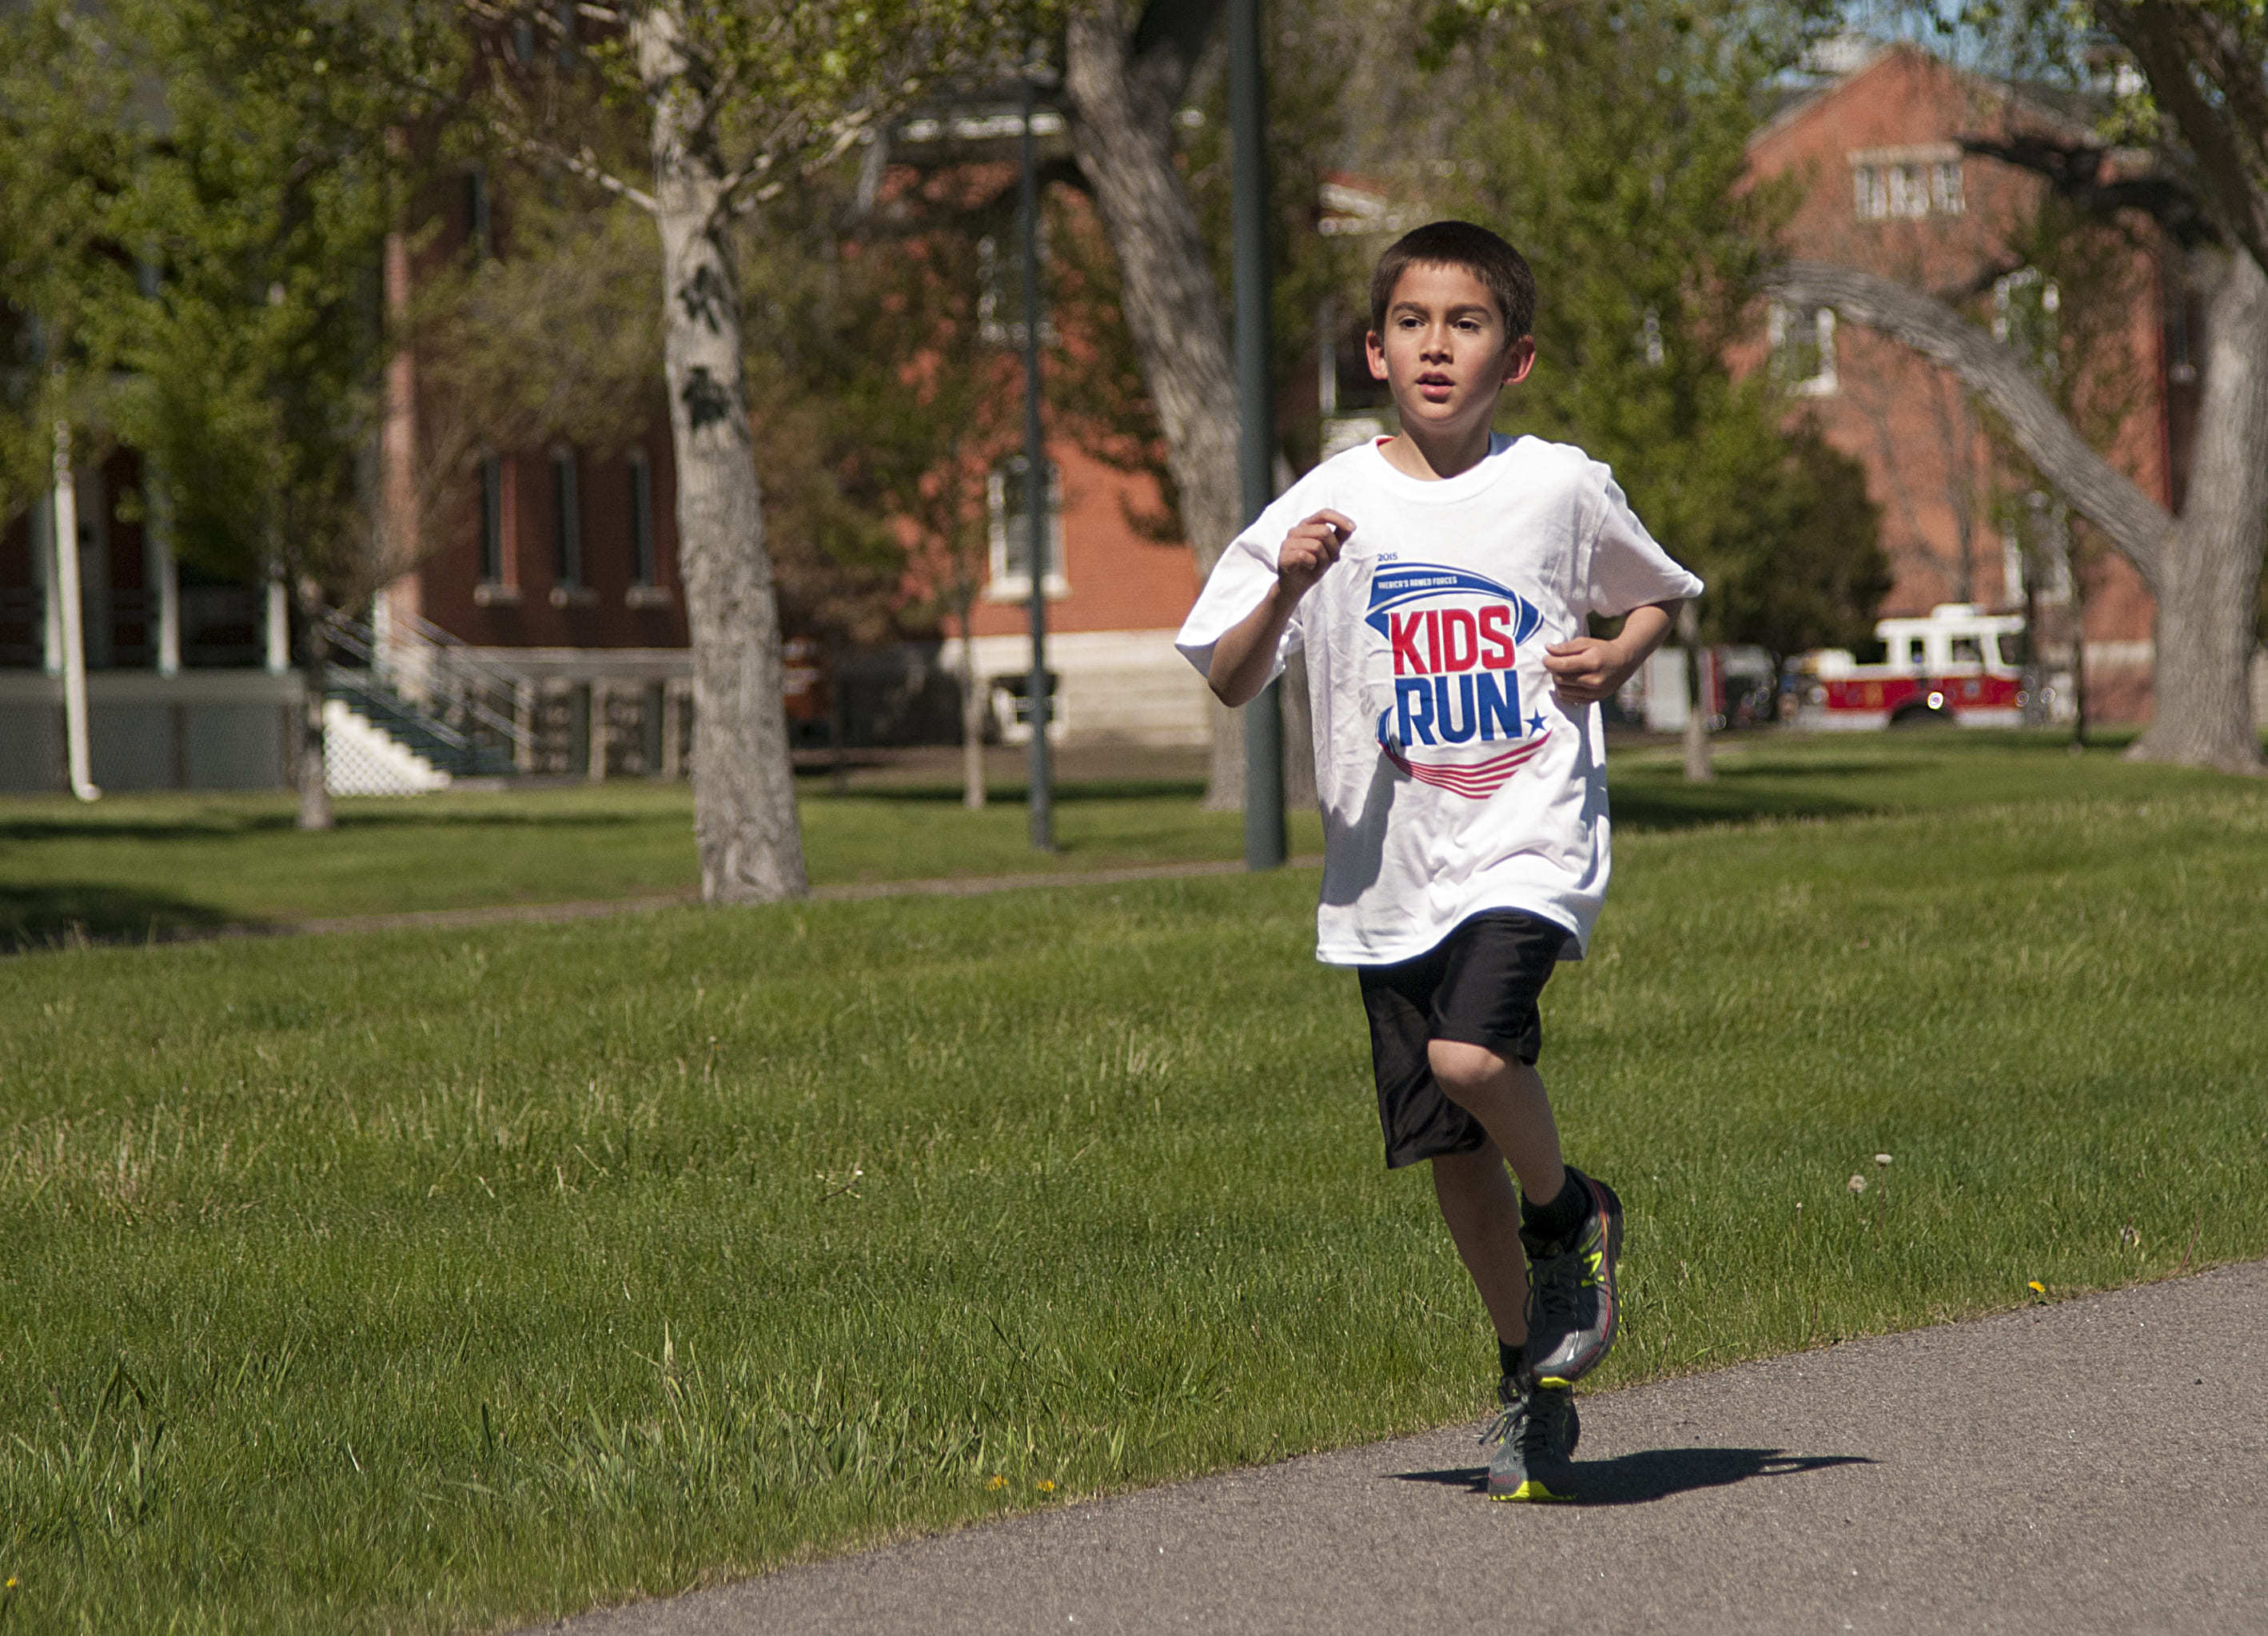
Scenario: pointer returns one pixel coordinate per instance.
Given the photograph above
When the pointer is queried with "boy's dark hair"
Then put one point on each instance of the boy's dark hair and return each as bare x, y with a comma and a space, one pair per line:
1459, 244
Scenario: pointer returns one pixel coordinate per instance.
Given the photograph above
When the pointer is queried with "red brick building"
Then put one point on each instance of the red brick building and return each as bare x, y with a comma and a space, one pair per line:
560, 584
1887, 186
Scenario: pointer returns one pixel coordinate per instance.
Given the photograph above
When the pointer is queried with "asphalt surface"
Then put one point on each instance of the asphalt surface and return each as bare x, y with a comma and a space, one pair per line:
2099, 1465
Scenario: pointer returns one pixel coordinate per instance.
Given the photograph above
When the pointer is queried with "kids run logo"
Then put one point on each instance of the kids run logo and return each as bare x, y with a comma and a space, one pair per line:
1452, 635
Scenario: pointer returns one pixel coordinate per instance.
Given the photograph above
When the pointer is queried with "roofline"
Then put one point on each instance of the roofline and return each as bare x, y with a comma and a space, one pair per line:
2054, 118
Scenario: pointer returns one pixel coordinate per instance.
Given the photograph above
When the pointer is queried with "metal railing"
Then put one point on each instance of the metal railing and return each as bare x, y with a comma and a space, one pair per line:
466, 700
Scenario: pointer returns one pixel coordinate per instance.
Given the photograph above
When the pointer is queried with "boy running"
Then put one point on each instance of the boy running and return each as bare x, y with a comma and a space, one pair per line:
1441, 583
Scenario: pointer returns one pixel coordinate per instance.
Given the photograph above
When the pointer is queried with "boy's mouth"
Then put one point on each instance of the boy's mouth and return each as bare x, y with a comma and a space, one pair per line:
1435, 387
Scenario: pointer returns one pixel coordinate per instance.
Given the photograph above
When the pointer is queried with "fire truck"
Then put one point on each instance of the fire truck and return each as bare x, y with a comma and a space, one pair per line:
1960, 664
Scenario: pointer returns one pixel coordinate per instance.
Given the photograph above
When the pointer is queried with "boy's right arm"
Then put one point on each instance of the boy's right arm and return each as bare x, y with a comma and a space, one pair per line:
1244, 657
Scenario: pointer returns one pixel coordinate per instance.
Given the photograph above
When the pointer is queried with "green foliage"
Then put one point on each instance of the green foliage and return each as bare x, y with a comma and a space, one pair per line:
68, 130
1313, 51
772, 90
1815, 573
881, 401
445, 1281
556, 335
210, 186
1613, 151
264, 206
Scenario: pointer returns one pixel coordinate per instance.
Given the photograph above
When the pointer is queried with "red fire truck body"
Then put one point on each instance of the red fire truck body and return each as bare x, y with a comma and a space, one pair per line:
1959, 665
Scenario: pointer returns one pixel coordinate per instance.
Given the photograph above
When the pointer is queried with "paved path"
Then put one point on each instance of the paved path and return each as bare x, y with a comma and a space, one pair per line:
2099, 1465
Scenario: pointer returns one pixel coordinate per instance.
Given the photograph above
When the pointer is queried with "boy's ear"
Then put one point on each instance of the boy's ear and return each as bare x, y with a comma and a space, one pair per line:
1375, 349
1517, 362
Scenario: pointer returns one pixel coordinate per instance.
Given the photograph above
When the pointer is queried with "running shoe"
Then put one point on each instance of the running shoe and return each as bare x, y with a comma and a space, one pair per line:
1573, 1308
1532, 1443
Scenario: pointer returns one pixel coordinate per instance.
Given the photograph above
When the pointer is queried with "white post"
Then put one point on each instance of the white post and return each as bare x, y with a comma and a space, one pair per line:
596, 768
161, 573
43, 577
279, 626
64, 581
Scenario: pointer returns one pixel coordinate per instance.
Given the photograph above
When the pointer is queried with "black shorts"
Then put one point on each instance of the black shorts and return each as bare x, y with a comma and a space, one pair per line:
1477, 986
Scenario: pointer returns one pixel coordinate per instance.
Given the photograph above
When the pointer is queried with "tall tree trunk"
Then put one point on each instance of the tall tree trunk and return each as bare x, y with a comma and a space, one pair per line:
2204, 571
1121, 132
743, 781
2208, 594
315, 682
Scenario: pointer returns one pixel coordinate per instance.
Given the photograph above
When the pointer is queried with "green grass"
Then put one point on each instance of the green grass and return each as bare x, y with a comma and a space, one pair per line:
433, 1280
134, 866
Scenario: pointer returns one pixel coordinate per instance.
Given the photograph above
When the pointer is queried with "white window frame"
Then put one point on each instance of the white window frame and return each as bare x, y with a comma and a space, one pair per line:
1000, 585
1871, 199
1781, 323
490, 534
1906, 183
1945, 188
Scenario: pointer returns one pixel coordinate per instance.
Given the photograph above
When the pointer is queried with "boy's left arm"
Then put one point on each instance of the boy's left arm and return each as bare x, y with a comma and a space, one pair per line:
1590, 669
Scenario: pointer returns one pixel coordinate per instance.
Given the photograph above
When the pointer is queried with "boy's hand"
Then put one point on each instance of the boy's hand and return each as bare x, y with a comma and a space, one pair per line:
1589, 669
1309, 550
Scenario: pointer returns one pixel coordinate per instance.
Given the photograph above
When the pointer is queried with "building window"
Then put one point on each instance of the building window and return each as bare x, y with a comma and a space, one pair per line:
1906, 183
2026, 316
1006, 492
494, 570
1803, 348
1945, 187
1000, 292
566, 522
642, 567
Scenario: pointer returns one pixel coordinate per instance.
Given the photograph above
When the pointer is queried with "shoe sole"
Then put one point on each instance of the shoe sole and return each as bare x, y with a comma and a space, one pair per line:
1614, 1238
1531, 1492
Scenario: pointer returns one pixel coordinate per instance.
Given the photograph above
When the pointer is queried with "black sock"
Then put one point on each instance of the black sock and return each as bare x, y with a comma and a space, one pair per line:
1556, 1221
1511, 1360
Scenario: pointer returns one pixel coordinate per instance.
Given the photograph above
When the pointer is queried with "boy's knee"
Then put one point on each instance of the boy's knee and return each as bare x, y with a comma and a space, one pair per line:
1463, 1070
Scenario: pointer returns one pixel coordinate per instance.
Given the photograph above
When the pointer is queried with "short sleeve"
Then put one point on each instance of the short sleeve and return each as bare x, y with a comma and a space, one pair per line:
1239, 582
1626, 570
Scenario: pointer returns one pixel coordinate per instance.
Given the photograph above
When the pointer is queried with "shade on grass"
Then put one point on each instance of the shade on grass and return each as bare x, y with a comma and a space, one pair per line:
135, 867
429, 1281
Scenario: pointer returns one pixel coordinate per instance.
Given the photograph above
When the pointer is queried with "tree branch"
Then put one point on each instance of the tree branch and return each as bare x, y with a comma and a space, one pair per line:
583, 162
2137, 524
2158, 36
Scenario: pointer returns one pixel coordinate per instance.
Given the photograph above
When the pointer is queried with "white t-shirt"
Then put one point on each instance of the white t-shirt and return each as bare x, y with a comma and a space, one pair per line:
1451, 779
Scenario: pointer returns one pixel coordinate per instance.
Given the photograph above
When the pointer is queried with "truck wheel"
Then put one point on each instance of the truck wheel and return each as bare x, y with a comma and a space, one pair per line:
1921, 716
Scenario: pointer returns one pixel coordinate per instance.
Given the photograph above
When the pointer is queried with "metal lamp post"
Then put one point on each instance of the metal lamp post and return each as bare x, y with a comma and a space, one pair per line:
1036, 493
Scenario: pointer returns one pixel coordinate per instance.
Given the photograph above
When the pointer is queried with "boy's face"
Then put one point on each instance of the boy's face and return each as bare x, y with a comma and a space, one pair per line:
1444, 352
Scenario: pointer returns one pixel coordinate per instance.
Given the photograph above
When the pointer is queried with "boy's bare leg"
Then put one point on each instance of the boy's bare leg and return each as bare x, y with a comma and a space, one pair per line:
1483, 1212
1477, 1199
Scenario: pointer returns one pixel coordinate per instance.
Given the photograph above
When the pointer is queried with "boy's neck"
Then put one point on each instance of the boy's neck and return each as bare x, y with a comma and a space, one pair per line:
1431, 456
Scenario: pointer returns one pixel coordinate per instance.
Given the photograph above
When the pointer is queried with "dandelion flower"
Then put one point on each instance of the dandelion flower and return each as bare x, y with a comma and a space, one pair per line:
1047, 1486
2036, 1287
1882, 1159
998, 1481
1857, 1184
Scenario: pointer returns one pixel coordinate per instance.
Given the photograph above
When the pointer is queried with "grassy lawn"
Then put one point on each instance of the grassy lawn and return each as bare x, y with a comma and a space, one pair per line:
429, 1281
136, 864
117, 869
